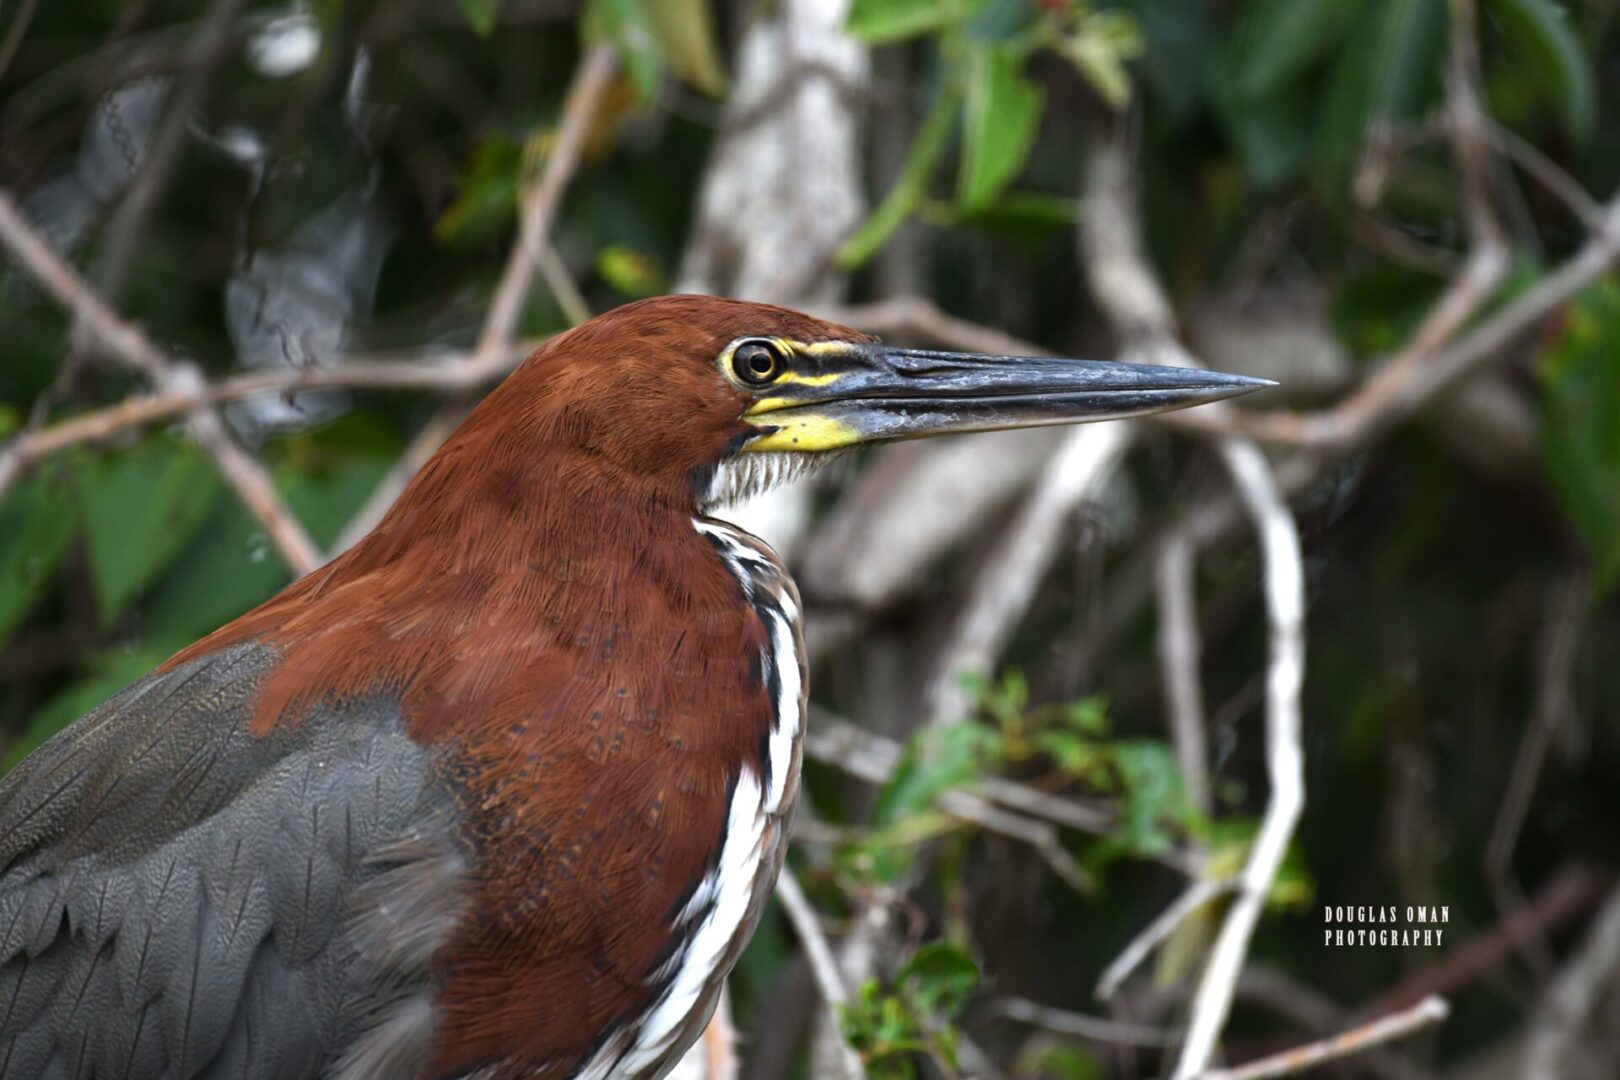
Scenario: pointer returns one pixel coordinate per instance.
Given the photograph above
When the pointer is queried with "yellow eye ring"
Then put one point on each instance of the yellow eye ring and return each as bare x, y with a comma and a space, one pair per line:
756, 362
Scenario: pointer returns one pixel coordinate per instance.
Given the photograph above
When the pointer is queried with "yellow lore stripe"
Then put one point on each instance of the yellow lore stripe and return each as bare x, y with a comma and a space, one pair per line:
807, 431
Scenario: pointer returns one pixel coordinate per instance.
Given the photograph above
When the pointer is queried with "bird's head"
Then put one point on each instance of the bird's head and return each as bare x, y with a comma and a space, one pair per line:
719, 399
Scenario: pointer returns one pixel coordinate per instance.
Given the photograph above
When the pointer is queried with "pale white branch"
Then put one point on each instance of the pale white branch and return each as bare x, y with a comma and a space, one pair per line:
823, 966
1431, 1010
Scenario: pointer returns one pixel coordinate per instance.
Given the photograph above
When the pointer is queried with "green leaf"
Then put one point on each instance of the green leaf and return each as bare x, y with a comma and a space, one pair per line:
1088, 715
908, 189
230, 566
1273, 137
1178, 61
481, 15
1058, 1062
940, 978
1284, 38
1542, 32
1155, 799
890, 1028
880, 21
140, 508
1101, 46
36, 526
1580, 425
1031, 216
1390, 68
631, 272
628, 24
687, 41
1003, 111
936, 759
487, 200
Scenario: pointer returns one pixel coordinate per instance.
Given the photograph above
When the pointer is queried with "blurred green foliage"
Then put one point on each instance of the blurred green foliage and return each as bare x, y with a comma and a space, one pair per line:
891, 1027
1580, 424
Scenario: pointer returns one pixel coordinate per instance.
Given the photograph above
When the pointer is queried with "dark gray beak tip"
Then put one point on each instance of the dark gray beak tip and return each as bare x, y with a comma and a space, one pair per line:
1218, 385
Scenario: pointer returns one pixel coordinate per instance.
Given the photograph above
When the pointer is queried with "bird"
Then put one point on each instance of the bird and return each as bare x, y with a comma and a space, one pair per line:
500, 791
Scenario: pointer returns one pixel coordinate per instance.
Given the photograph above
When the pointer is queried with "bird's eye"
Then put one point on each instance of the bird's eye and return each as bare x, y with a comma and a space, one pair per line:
756, 362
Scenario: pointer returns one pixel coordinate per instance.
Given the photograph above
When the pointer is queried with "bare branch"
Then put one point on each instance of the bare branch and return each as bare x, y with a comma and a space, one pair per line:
1285, 758
1552, 712
203, 53
1566, 1010
1568, 893
822, 964
1550, 175
1095, 1028
422, 446
1431, 1010
1006, 583
1201, 891
914, 502
1135, 304
126, 343
15, 32
445, 373
129, 346
1308, 1008
252, 483
540, 201
1178, 665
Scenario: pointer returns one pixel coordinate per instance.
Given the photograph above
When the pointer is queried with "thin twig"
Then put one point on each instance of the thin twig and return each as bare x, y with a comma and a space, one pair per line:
532, 252
1285, 758
14, 35
1417, 371
1431, 1010
1007, 582
869, 756
955, 810
1037, 834
203, 53
1319, 1015
830, 981
422, 446
1552, 713
1203, 890
1569, 892
130, 347
1550, 175
1133, 300
1094, 1028
253, 485
1566, 1009
127, 344
445, 373
1178, 666
540, 202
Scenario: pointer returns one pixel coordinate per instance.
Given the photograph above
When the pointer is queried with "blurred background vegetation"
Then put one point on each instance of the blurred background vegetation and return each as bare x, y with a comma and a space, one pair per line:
273, 186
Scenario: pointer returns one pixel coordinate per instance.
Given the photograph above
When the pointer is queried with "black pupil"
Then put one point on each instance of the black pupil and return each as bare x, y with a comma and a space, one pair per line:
760, 361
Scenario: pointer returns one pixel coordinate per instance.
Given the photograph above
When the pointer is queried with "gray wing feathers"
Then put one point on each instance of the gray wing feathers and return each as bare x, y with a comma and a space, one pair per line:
181, 899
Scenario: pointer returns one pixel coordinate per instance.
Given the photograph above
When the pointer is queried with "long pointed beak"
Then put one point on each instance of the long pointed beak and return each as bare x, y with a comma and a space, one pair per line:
848, 393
